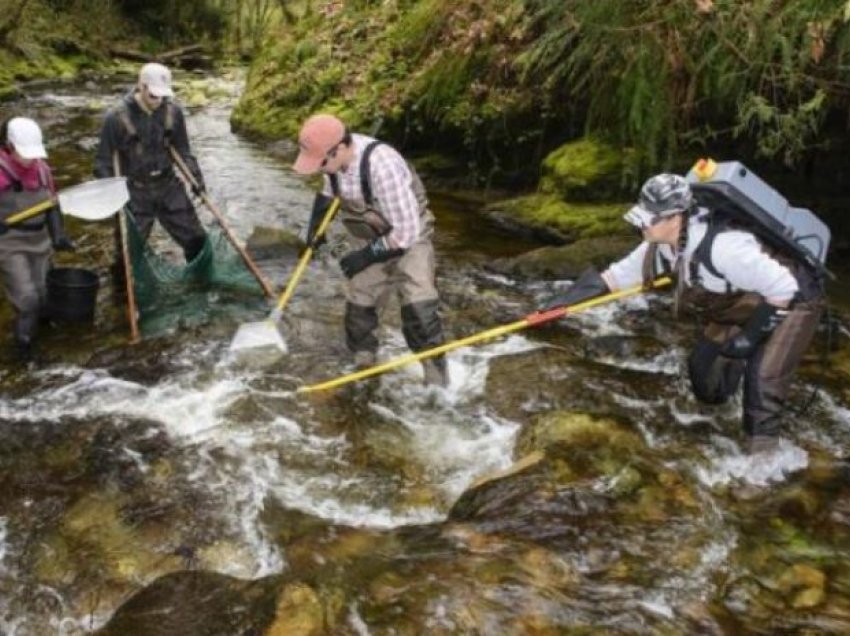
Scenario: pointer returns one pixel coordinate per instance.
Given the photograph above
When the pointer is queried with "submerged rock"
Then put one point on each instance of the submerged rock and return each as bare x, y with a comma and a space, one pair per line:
196, 604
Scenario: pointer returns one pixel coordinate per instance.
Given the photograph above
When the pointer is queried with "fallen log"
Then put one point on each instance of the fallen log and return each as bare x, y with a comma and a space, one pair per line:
168, 56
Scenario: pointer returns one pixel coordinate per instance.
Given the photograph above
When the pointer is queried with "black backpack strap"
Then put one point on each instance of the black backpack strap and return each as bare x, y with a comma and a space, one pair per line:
702, 254
365, 185
123, 113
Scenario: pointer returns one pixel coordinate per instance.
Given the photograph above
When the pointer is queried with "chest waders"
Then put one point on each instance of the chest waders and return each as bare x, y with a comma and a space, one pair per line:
157, 194
411, 276
25, 254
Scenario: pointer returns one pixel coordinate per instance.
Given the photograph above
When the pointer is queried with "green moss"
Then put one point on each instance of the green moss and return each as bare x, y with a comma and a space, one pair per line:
14, 69
575, 430
571, 221
586, 170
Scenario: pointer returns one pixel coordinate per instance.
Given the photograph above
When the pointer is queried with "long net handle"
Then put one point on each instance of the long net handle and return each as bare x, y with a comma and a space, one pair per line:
305, 258
128, 265
189, 177
531, 320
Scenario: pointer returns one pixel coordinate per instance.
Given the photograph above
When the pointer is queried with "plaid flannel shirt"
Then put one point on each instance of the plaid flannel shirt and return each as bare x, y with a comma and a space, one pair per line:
392, 190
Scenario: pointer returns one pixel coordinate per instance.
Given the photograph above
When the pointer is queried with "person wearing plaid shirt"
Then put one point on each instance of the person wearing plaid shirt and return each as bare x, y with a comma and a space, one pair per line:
384, 209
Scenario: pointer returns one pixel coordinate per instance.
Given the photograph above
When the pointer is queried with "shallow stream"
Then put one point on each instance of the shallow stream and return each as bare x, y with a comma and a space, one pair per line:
155, 468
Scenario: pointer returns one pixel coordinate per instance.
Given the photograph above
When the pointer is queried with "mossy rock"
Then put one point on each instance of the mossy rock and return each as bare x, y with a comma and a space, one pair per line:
565, 261
551, 218
299, 611
270, 243
575, 429
587, 170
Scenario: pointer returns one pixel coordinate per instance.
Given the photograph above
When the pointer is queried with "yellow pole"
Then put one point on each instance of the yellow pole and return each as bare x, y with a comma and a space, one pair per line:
38, 208
529, 321
305, 259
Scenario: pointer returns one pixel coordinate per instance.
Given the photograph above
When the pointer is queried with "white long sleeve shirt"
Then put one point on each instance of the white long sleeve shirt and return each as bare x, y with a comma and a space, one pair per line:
736, 254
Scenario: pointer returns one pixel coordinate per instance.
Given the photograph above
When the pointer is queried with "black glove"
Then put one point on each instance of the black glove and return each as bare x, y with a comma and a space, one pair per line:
589, 285
376, 252
64, 244
765, 319
198, 189
321, 204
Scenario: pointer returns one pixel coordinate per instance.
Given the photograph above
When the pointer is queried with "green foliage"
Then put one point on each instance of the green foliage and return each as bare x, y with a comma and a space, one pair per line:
587, 170
572, 221
170, 21
505, 82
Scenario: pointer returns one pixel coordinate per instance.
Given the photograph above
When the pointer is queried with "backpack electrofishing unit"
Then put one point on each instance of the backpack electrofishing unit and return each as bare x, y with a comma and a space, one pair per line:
737, 196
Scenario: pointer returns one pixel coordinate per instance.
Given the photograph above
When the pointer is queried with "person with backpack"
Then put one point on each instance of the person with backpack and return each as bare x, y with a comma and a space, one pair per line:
384, 209
135, 139
761, 308
26, 246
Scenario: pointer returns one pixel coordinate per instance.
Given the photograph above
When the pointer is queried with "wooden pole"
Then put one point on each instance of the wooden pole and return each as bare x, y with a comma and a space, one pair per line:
187, 175
132, 314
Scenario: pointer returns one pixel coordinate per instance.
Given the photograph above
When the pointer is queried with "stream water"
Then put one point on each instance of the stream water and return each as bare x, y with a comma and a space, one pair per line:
123, 466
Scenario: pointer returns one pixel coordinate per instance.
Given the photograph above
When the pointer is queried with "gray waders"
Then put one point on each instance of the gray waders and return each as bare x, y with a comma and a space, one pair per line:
25, 251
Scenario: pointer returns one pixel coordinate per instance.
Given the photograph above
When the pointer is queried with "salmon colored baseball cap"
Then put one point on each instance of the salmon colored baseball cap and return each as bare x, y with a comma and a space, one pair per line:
319, 135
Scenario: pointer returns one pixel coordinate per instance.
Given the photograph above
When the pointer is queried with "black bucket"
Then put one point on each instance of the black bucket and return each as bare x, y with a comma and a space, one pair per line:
71, 294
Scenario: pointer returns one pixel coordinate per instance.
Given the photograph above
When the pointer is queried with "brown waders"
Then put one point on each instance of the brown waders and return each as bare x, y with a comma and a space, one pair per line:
411, 277
767, 373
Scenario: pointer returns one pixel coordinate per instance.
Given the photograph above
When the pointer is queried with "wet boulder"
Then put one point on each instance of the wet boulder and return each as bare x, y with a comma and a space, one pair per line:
549, 218
267, 243
565, 261
196, 604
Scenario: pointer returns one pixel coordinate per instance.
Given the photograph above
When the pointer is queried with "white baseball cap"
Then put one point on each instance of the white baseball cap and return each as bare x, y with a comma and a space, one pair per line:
157, 78
25, 135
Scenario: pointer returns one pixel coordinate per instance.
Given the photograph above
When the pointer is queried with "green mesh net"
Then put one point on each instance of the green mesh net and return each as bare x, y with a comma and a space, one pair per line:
173, 295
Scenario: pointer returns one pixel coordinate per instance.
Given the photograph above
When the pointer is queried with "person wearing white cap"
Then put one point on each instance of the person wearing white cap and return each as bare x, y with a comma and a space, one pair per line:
137, 135
25, 246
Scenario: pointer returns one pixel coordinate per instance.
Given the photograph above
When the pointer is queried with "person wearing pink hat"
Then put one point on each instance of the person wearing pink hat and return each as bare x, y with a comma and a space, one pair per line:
26, 246
384, 209
138, 133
